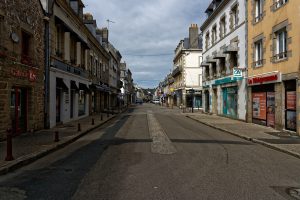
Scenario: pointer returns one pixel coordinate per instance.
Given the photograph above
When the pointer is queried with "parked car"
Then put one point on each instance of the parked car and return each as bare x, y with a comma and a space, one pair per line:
156, 101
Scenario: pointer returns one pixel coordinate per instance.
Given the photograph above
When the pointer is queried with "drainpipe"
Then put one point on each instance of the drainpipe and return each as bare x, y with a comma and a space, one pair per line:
47, 73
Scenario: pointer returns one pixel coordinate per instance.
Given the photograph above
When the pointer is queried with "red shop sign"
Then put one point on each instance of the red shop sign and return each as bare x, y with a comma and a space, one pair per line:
264, 79
29, 74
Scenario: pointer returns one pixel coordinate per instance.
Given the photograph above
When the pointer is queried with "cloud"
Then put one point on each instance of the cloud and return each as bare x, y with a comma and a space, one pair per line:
147, 32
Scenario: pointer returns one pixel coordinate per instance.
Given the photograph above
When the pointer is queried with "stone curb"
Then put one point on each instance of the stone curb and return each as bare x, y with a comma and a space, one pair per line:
30, 158
266, 144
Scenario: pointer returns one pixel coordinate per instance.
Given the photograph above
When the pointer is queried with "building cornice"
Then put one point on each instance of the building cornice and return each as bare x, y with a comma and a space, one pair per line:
214, 14
182, 53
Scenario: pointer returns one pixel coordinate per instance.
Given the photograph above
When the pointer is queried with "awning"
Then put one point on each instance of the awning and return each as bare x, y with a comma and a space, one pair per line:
74, 86
60, 84
204, 64
96, 87
83, 87
106, 88
211, 61
219, 56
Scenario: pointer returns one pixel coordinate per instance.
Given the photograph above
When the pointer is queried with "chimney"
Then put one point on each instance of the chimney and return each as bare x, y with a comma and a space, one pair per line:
104, 34
99, 35
194, 36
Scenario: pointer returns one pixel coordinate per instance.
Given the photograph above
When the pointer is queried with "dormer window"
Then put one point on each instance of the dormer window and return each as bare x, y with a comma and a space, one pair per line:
77, 7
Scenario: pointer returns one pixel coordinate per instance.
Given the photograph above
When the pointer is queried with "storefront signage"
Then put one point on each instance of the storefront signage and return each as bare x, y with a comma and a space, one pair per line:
291, 100
29, 74
259, 110
227, 80
237, 73
267, 78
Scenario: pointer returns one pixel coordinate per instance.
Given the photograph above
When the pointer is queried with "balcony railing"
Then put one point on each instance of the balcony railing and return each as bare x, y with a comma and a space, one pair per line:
258, 63
280, 56
177, 71
278, 3
69, 68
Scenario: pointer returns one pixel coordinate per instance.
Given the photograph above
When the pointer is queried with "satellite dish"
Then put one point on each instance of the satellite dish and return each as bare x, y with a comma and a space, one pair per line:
15, 38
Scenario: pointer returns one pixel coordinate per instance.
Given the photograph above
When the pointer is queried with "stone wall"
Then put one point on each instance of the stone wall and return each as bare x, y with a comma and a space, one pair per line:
22, 16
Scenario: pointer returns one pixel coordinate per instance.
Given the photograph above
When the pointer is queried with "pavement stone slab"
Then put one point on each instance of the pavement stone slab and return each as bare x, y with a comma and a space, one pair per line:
31, 146
256, 133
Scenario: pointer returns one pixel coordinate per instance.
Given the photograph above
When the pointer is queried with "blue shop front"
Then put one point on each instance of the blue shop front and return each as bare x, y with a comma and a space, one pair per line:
229, 92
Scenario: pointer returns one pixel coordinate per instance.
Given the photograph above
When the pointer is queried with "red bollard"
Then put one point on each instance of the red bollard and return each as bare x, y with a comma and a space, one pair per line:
79, 127
56, 137
93, 121
9, 155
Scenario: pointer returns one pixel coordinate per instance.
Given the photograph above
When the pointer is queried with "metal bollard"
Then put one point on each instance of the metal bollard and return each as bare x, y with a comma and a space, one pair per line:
9, 155
107, 113
93, 121
79, 127
56, 137
101, 116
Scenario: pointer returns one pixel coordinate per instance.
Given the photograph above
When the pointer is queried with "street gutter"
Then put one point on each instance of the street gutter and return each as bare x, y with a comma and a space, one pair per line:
254, 140
30, 158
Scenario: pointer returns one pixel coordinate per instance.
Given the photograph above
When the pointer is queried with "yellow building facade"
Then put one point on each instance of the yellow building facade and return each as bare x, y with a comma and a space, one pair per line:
274, 63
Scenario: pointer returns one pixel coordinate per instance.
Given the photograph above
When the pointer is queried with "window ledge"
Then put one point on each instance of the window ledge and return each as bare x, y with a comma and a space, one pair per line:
274, 7
280, 60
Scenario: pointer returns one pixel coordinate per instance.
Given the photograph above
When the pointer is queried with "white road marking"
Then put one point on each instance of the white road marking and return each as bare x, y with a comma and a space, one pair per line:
161, 144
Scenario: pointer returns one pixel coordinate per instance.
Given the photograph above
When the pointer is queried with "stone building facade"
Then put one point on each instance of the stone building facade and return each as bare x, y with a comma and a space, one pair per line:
21, 66
224, 54
274, 60
187, 71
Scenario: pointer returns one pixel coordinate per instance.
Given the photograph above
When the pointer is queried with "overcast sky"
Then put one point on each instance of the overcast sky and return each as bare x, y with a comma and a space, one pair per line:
147, 32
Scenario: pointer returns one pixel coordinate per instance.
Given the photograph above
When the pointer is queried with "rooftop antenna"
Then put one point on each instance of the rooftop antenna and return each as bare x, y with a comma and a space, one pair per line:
109, 21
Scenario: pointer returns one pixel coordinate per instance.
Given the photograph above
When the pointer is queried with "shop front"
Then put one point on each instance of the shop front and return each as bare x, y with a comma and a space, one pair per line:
230, 98
290, 105
23, 102
263, 100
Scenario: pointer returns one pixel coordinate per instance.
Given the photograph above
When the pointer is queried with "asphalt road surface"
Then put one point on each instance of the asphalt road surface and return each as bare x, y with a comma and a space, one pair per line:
157, 153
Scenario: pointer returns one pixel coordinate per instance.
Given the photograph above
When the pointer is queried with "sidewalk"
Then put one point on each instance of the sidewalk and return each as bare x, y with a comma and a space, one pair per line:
32, 146
267, 136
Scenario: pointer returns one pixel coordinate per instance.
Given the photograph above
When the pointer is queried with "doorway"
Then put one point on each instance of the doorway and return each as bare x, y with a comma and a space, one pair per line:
19, 109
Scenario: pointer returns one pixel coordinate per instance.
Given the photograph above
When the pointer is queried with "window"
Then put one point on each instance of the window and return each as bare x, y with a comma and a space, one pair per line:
234, 13
214, 35
222, 65
101, 69
258, 10
258, 56
26, 57
281, 44
97, 69
279, 3
222, 27
207, 40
